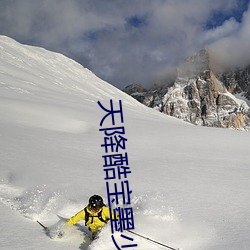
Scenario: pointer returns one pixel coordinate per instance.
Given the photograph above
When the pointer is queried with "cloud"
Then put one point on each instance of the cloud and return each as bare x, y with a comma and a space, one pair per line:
233, 49
121, 41
228, 28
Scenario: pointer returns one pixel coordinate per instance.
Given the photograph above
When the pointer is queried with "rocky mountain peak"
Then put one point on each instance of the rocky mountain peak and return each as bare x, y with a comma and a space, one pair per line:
196, 64
200, 96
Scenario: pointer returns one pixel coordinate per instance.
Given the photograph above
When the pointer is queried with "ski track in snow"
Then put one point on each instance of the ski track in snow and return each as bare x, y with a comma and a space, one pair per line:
151, 215
32, 204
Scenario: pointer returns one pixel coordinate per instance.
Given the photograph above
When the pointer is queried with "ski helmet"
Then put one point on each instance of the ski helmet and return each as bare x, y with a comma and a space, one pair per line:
95, 202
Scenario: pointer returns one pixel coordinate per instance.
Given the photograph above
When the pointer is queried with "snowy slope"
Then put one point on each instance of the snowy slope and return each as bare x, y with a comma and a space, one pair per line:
190, 184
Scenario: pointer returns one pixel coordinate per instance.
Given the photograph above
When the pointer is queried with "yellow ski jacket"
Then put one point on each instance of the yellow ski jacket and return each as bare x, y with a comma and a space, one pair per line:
93, 222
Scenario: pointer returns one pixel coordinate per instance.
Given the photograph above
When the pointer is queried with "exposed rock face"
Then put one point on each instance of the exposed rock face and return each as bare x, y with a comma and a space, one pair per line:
237, 81
199, 97
137, 91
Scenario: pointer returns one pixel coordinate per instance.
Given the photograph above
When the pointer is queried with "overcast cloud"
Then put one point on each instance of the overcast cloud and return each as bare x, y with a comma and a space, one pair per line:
131, 41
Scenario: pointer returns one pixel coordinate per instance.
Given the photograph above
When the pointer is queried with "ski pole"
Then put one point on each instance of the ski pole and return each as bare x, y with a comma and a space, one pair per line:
45, 228
159, 243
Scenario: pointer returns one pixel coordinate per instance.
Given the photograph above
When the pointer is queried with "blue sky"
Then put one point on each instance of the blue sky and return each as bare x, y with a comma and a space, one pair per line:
218, 17
131, 41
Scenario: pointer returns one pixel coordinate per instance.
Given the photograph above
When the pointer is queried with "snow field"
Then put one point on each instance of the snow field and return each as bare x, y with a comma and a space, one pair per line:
190, 184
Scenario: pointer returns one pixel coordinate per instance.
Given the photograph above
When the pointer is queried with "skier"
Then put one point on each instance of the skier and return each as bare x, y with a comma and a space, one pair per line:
95, 214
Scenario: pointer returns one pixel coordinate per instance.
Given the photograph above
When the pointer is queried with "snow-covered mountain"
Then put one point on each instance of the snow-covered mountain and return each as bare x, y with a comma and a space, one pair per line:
190, 184
237, 81
201, 95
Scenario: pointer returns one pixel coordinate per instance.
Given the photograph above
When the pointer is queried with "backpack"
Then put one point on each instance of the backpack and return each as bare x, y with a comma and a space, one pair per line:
99, 216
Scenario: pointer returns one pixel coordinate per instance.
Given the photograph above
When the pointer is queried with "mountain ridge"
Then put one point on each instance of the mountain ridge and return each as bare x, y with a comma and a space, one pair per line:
201, 95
